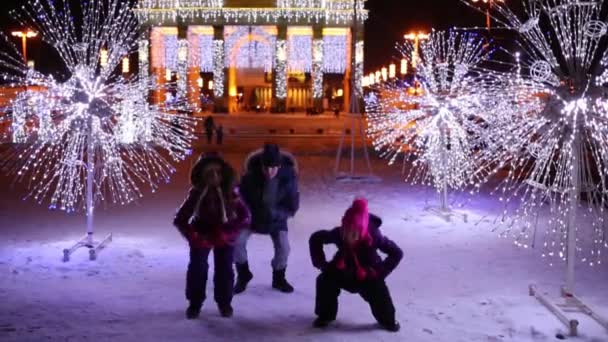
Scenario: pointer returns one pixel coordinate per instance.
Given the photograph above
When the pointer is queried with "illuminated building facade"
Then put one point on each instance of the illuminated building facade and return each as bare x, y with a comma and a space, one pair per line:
275, 55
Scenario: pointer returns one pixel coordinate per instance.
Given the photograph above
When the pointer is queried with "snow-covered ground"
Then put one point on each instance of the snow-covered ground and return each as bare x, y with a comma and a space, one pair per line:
458, 281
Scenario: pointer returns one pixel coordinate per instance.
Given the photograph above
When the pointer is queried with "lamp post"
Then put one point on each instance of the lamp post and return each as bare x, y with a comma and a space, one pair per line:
24, 35
416, 37
488, 4
403, 69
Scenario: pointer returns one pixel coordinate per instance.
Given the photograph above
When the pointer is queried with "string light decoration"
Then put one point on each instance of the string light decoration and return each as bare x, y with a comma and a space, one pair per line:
218, 68
433, 131
320, 11
250, 47
553, 138
359, 55
200, 40
144, 61
299, 49
182, 69
171, 51
317, 69
91, 137
550, 143
281, 69
205, 53
335, 47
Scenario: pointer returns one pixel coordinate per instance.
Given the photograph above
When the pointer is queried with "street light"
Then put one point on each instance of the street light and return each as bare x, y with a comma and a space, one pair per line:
103, 58
125, 65
416, 37
24, 36
392, 70
403, 69
488, 4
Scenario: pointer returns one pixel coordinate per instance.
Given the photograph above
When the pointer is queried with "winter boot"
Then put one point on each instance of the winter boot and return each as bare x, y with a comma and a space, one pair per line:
244, 276
194, 310
280, 283
226, 310
392, 327
321, 322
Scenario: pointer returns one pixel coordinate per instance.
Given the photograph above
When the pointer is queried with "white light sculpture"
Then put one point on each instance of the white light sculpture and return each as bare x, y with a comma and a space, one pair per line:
552, 139
92, 136
433, 131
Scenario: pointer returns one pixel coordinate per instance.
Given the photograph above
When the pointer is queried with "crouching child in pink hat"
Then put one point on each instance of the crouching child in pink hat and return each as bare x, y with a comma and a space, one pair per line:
356, 266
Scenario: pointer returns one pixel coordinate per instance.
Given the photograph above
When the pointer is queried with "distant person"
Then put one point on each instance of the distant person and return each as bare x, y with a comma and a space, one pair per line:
356, 267
270, 189
209, 128
211, 218
219, 135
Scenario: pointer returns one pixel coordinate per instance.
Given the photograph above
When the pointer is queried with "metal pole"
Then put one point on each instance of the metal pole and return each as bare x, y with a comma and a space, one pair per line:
488, 20
444, 177
24, 46
574, 197
352, 146
90, 183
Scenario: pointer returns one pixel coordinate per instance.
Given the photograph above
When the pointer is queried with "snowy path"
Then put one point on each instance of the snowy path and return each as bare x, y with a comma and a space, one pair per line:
458, 282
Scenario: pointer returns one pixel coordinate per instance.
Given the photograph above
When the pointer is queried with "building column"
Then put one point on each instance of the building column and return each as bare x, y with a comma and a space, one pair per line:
183, 55
219, 71
317, 68
194, 72
357, 73
157, 61
347, 74
144, 60
232, 91
279, 75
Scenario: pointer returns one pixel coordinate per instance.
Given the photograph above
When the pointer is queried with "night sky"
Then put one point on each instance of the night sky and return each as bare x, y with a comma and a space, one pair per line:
389, 21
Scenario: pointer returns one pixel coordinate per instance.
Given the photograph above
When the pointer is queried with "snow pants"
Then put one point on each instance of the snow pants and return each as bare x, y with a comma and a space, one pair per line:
280, 242
223, 277
375, 292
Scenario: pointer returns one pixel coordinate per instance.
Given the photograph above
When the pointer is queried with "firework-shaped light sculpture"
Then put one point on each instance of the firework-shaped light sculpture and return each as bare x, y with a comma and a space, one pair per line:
89, 135
553, 139
433, 123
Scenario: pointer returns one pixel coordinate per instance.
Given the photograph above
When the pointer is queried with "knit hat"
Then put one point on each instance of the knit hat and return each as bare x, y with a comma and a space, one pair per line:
271, 156
356, 219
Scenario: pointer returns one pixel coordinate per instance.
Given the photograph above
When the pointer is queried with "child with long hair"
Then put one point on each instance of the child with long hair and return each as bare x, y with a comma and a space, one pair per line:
210, 219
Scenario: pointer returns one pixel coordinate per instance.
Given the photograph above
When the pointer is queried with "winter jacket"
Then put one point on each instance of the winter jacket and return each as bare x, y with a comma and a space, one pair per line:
205, 229
269, 220
364, 254
200, 219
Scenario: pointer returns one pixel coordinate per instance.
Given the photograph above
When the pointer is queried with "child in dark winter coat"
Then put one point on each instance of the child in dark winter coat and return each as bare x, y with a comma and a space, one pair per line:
356, 266
211, 218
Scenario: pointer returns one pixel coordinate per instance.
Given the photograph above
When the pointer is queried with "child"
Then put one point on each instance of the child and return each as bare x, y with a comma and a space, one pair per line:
356, 266
211, 218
